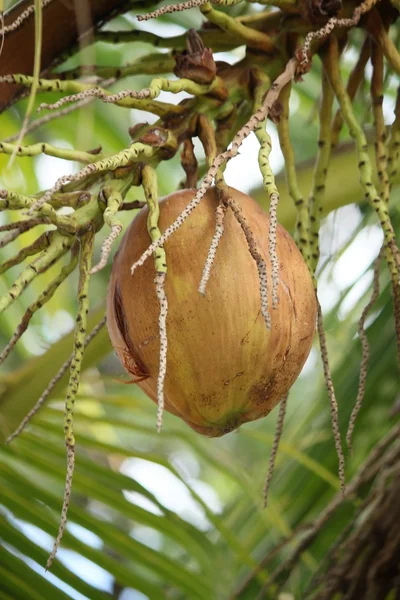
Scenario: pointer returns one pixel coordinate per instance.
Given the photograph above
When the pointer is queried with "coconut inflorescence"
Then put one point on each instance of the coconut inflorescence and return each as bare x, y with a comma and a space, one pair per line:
224, 366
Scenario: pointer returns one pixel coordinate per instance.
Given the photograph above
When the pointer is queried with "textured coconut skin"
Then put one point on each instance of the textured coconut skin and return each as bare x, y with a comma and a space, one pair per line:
224, 367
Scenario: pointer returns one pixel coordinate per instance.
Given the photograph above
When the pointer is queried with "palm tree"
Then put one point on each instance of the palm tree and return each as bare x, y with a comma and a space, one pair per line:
177, 515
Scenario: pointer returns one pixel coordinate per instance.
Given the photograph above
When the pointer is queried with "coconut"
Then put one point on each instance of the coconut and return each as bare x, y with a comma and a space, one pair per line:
224, 367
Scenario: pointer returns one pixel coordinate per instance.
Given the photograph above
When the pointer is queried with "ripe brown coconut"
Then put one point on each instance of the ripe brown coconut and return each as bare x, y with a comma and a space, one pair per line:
224, 367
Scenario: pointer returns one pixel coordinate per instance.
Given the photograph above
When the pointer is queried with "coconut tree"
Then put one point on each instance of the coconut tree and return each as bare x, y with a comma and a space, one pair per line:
301, 96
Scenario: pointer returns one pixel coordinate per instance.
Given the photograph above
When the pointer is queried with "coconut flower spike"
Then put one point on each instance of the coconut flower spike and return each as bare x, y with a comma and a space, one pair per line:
53, 382
113, 205
223, 158
275, 446
269, 185
60, 245
365, 350
257, 257
220, 212
181, 6
113, 196
44, 297
332, 398
207, 137
87, 243
159, 280
150, 187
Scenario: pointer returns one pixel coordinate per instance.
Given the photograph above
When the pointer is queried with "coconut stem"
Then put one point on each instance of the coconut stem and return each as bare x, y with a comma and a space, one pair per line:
394, 142
321, 169
355, 79
61, 372
44, 261
150, 64
222, 158
379, 121
22, 226
29, 223
135, 153
41, 243
377, 202
44, 297
386, 158
334, 22
269, 185
208, 139
87, 243
206, 133
12, 201
113, 195
55, 115
37, 56
130, 98
48, 149
81, 90
273, 194
150, 187
393, 167
302, 224
364, 163
189, 164
243, 34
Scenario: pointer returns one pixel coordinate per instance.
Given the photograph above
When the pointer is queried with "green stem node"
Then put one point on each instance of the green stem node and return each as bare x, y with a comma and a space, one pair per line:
331, 62
58, 247
321, 169
42, 148
85, 260
302, 226
42, 299
150, 187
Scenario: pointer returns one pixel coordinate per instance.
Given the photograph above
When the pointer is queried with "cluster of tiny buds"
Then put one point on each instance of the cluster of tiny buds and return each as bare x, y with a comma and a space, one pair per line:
219, 230
162, 322
106, 248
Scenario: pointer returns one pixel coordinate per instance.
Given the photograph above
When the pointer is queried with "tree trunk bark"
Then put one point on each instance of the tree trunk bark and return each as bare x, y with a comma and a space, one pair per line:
367, 563
64, 23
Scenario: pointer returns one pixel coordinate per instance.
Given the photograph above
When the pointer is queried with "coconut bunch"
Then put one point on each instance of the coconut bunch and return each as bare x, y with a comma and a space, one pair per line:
211, 305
